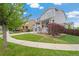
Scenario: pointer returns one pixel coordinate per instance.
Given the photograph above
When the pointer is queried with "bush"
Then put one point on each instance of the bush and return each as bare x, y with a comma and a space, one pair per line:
72, 32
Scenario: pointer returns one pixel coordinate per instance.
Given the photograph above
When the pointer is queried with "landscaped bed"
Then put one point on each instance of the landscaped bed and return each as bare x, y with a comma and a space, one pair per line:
19, 50
64, 39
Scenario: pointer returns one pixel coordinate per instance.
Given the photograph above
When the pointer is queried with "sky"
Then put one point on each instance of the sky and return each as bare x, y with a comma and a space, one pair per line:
71, 10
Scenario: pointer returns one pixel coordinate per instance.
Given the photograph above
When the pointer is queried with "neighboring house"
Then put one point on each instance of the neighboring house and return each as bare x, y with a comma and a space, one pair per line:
52, 15
28, 25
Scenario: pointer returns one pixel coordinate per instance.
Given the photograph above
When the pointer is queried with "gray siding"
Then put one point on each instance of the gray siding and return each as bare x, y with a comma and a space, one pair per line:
54, 14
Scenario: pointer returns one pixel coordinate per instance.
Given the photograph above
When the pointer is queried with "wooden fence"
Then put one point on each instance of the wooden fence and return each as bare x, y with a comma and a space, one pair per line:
56, 29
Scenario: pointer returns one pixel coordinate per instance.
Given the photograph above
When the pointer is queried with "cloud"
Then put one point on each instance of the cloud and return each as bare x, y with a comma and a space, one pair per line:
57, 3
41, 7
25, 13
35, 5
76, 24
72, 14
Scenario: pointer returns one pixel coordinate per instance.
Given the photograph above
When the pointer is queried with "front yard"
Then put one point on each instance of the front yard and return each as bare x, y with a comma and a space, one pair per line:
18, 50
64, 39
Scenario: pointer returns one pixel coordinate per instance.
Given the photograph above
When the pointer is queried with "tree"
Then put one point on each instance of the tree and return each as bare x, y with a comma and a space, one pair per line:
69, 26
77, 28
10, 18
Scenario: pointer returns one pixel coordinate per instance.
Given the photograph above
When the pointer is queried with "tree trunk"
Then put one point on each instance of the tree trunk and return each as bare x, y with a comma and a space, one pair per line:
5, 36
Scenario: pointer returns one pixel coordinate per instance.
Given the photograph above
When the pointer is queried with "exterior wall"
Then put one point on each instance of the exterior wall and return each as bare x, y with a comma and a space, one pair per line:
48, 14
54, 14
31, 24
28, 25
59, 17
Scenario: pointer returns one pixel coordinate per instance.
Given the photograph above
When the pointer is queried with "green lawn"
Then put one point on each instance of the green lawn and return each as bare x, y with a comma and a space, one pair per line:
18, 50
65, 39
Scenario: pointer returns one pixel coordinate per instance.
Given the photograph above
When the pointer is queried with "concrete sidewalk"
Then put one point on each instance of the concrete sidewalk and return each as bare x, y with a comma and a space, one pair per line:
23, 33
72, 47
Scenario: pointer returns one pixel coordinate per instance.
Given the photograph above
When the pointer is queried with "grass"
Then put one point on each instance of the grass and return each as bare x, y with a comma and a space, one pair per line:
18, 50
64, 39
